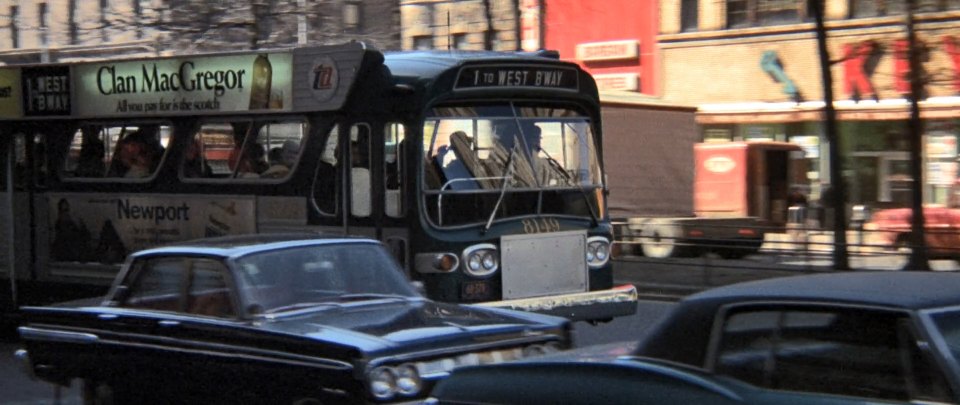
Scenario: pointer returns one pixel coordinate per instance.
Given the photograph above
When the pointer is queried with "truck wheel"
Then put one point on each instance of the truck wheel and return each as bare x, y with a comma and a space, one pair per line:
660, 240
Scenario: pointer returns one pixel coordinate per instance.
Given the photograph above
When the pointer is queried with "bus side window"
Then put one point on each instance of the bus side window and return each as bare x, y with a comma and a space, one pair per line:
138, 149
282, 141
393, 169
213, 142
87, 154
21, 172
325, 184
360, 187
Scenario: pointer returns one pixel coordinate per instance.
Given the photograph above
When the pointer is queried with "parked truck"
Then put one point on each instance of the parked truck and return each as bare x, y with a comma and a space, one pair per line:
740, 192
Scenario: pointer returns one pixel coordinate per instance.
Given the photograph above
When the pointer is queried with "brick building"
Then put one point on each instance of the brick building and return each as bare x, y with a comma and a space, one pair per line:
460, 24
752, 68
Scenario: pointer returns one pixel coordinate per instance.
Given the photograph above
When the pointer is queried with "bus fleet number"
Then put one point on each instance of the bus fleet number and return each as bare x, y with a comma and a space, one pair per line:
541, 225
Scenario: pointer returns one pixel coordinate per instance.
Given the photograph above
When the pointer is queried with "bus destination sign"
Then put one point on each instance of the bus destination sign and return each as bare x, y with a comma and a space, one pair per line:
543, 77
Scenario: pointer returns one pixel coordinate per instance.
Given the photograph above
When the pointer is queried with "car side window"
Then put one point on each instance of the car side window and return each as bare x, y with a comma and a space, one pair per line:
208, 293
157, 284
837, 351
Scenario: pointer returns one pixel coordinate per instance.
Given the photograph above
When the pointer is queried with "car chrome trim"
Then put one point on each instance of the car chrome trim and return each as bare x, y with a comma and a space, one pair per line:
244, 352
60, 336
621, 294
462, 350
23, 360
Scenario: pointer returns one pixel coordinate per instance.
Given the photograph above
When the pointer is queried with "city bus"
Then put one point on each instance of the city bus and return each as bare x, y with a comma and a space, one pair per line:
103, 158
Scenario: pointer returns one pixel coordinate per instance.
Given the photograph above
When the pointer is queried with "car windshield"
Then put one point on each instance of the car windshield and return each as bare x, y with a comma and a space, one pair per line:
948, 325
514, 158
320, 275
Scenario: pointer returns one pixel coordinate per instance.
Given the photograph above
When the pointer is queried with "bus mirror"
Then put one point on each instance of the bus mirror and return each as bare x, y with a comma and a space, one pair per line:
360, 186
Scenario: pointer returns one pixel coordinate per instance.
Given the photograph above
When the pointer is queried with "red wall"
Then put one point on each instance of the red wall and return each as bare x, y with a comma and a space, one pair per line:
571, 22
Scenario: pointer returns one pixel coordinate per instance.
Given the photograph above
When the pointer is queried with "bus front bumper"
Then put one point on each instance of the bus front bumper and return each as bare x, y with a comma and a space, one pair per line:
586, 306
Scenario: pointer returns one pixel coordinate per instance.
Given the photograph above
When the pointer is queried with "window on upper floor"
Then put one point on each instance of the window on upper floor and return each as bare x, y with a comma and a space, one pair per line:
351, 16
689, 15
15, 26
422, 42
753, 13
73, 29
881, 8
42, 16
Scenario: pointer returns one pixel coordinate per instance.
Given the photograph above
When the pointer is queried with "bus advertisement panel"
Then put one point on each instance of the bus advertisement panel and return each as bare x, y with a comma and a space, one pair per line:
188, 85
104, 228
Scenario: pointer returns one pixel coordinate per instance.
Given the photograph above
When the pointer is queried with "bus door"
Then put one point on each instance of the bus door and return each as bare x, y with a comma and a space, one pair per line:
23, 160
375, 183
361, 187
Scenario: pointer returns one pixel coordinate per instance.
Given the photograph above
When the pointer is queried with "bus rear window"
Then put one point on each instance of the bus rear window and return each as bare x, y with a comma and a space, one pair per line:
244, 150
130, 151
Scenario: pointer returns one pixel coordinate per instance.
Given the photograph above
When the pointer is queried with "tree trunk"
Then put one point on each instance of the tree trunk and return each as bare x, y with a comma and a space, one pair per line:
841, 260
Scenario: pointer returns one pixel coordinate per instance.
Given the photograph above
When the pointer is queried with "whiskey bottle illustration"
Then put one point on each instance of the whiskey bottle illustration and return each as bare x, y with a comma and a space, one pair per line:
260, 83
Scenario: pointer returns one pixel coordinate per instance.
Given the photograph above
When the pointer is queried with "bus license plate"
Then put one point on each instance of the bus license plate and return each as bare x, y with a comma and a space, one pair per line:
475, 291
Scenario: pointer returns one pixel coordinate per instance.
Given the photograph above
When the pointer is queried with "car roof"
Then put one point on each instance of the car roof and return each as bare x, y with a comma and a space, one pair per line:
895, 289
237, 245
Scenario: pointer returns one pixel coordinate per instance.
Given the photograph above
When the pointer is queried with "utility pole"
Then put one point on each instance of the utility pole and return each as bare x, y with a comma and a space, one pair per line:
918, 248
841, 260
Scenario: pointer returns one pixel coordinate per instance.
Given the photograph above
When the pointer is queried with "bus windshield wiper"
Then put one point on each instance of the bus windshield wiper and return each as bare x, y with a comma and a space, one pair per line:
503, 190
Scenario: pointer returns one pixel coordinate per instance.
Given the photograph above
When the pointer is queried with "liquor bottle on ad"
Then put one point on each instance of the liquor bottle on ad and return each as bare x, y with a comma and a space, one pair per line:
260, 83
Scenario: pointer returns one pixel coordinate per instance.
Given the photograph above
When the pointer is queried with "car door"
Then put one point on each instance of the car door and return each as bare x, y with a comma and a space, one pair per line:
175, 312
844, 350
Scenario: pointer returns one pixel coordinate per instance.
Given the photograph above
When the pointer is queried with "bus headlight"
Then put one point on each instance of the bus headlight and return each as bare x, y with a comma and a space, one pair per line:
383, 383
481, 260
598, 251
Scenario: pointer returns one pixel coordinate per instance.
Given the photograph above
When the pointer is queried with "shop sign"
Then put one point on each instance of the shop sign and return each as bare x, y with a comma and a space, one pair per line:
610, 50
860, 58
618, 81
189, 85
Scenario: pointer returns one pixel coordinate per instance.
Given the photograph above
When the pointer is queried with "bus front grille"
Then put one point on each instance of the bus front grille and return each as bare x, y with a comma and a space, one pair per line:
543, 264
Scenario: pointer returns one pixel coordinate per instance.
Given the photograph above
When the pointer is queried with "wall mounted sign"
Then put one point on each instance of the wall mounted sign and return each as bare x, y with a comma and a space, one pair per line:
609, 50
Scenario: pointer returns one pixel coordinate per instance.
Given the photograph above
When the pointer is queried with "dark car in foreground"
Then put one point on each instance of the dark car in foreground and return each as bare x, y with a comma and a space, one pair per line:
890, 335
270, 319
586, 376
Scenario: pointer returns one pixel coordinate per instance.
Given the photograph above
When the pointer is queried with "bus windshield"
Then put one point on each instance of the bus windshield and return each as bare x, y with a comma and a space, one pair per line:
509, 160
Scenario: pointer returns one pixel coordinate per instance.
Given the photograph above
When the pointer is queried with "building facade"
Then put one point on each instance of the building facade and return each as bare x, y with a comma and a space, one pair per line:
33, 31
753, 70
463, 24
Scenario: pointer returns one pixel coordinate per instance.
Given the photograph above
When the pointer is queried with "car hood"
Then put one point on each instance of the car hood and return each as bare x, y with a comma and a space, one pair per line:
381, 325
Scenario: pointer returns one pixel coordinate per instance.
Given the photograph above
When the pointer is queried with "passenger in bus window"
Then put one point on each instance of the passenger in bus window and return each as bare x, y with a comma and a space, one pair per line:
249, 162
139, 155
282, 159
194, 163
90, 162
